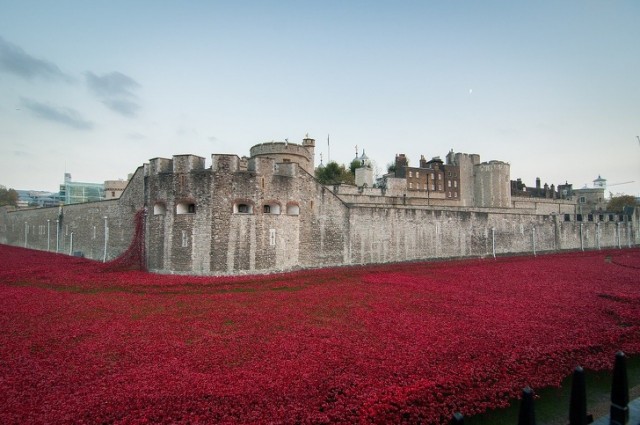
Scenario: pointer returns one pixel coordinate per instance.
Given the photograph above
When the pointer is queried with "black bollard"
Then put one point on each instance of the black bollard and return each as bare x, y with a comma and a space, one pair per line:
458, 419
526, 416
578, 403
619, 392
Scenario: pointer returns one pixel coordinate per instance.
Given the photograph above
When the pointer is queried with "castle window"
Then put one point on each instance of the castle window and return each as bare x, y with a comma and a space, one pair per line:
293, 209
417, 174
185, 208
579, 217
272, 237
410, 173
567, 217
612, 217
449, 194
432, 176
448, 183
583, 200
601, 217
455, 183
455, 194
410, 185
159, 208
590, 217
242, 208
272, 208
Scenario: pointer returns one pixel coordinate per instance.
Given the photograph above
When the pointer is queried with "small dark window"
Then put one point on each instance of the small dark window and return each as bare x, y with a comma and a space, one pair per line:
579, 217
243, 208
621, 217
185, 208
266, 209
590, 217
612, 217
601, 217
567, 217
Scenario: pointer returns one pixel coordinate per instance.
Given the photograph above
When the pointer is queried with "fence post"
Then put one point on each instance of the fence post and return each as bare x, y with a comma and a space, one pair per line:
578, 403
493, 241
526, 415
457, 419
619, 412
533, 239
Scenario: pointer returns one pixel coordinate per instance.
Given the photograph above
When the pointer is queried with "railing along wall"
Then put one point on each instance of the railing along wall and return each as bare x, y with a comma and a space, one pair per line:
618, 413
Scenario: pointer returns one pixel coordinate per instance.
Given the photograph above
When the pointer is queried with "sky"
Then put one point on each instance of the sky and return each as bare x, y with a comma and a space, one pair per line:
97, 88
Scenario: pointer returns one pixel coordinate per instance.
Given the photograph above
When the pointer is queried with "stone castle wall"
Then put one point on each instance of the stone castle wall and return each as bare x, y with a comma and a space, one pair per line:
79, 228
270, 216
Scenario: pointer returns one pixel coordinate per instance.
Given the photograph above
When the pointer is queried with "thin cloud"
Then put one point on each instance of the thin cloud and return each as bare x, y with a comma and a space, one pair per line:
123, 107
116, 91
22, 154
62, 115
136, 136
14, 60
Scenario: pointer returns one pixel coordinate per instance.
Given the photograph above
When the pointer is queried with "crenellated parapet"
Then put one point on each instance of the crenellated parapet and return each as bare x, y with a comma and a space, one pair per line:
283, 152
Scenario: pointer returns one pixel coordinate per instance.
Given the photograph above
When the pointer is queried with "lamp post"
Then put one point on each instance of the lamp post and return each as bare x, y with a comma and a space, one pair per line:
48, 235
26, 232
57, 236
106, 238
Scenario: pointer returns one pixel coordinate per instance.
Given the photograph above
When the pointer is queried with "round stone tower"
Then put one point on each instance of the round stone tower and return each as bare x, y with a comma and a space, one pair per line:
492, 186
303, 155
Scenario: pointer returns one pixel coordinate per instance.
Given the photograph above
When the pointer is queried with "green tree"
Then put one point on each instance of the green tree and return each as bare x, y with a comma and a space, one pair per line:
618, 202
8, 197
333, 173
356, 163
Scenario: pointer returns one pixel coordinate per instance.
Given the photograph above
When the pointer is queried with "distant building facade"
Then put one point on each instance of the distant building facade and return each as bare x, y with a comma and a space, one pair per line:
37, 199
113, 188
77, 192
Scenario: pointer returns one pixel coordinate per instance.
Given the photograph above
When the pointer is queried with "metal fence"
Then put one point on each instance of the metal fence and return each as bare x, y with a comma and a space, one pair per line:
619, 411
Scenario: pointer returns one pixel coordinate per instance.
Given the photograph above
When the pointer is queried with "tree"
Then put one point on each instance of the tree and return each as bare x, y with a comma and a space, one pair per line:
391, 167
618, 202
333, 173
8, 197
356, 163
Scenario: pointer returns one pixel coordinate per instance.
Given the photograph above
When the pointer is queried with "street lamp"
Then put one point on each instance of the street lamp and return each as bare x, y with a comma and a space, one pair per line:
57, 236
48, 235
26, 232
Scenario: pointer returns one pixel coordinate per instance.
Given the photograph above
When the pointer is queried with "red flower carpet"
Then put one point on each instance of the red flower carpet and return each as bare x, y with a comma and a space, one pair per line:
413, 342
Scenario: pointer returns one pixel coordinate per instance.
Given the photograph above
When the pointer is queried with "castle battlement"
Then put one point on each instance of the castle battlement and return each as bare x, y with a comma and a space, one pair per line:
267, 213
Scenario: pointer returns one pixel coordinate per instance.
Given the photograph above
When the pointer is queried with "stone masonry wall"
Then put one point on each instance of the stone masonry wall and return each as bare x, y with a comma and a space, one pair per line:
79, 228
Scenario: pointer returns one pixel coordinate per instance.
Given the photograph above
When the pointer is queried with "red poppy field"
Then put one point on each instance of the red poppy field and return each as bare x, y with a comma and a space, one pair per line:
408, 342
